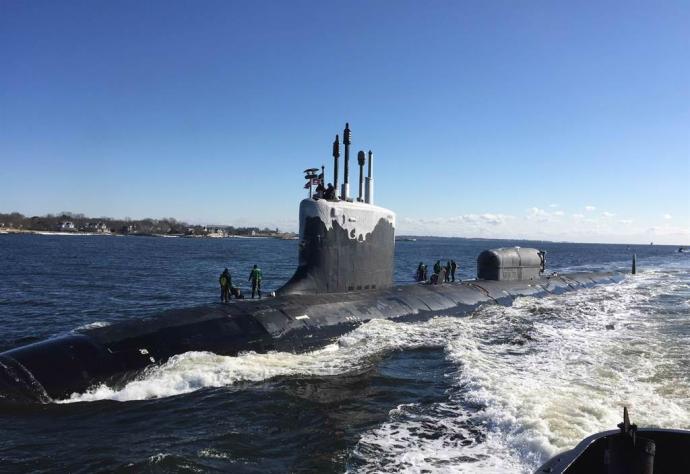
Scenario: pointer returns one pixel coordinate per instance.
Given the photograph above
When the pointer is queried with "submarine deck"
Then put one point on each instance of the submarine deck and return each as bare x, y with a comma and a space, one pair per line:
284, 314
114, 354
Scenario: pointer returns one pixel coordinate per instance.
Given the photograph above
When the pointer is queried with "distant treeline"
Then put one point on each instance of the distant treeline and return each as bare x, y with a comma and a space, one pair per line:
71, 222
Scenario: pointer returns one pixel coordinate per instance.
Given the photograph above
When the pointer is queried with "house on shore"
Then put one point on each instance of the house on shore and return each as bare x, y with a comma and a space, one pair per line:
67, 226
98, 227
216, 230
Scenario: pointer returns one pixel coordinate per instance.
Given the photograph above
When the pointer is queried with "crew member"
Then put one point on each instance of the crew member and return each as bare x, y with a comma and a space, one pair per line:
453, 267
542, 259
225, 281
255, 278
436, 278
329, 193
320, 191
420, 272
448, 271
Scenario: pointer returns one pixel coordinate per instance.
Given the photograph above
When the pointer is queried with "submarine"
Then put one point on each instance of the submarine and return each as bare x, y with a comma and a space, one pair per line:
344, 278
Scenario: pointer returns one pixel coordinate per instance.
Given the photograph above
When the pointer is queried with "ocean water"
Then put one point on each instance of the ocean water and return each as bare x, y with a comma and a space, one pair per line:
501, 390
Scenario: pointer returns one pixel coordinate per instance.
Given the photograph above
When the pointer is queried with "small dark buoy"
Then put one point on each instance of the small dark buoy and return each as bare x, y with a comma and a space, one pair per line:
634, 264
610, 326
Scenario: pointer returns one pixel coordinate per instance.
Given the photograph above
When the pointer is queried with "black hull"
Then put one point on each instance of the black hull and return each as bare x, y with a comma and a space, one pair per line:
59, 367
589, 456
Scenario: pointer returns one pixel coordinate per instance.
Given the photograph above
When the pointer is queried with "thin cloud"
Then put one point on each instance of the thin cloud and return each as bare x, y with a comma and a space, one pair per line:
668, 216
590, 208
494, 219
469, 219
546, 224
534, 213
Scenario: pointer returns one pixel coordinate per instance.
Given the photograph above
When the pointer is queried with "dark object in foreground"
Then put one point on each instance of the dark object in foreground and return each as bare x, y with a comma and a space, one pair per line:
628, 450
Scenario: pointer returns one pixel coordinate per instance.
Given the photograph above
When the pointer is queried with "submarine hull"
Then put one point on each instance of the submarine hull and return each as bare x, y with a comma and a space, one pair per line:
58, 367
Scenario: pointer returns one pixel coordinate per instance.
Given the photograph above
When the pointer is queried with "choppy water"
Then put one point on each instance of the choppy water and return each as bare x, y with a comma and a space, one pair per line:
499, 391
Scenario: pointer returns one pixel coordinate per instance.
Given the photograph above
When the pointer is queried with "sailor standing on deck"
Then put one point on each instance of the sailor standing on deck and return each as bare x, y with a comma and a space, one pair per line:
436, 278
320, 191
329, 193
255, 278
225, 281
420, 272
453, 267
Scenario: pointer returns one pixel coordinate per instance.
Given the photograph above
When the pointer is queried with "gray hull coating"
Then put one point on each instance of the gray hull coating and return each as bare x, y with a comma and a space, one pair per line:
56, 368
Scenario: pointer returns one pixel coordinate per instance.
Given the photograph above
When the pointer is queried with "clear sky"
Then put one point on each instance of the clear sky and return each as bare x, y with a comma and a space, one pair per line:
545, 119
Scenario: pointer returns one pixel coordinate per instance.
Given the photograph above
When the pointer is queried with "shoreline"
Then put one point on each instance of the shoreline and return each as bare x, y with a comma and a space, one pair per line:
12, 231
46, 232
111, 234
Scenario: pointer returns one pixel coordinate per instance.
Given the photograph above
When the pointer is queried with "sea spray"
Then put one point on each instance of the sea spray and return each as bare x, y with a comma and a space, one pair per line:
535, 378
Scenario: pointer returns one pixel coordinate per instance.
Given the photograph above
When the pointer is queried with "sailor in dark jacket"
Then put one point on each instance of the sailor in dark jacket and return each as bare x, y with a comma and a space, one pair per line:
329, 193
420, 272
255, 277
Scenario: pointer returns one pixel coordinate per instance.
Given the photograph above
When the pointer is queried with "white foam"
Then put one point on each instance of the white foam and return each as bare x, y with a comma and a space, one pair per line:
93, 325
353, 352
161, 458
437, 438
555, 377
214, 454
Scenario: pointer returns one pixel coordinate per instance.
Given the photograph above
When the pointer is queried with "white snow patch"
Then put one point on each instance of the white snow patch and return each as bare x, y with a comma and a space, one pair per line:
352, 216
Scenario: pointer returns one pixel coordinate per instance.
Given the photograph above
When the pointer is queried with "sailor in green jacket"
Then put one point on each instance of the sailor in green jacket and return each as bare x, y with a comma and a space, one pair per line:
225, 281
255, 278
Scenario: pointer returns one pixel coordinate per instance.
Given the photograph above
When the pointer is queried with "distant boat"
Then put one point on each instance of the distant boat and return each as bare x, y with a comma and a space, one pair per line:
682, 250
405, 239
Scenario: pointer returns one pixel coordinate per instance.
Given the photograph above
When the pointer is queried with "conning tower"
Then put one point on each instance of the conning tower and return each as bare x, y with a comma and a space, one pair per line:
344, 245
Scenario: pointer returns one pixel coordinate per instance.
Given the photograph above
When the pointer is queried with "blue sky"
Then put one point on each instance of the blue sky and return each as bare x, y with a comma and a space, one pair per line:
557, 120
